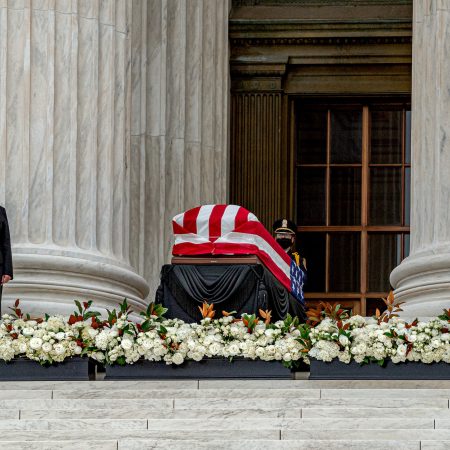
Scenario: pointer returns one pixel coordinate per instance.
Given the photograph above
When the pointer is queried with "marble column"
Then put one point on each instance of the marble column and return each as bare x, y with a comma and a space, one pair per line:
423, 279
180, 87
65, 152
113, 118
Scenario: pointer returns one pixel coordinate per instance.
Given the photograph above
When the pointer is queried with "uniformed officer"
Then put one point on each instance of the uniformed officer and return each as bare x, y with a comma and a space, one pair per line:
285, 235
284, 231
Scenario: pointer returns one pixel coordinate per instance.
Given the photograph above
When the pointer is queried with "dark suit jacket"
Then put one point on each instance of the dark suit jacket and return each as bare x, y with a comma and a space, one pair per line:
6, 266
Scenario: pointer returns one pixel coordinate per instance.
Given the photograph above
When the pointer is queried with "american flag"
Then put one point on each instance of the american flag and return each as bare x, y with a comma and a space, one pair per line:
231, 230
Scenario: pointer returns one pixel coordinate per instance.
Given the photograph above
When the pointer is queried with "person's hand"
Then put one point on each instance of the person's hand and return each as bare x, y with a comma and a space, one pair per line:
6, 279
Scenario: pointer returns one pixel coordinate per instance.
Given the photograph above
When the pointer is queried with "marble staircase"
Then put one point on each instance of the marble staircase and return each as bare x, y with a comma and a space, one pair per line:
230, 414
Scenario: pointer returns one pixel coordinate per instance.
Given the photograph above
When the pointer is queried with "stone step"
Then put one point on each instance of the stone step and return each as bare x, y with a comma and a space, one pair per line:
100, 435
207, 413
248, 402
136, 444
63, 445
74, 424
231, 393
169, 393
429, 385
404, 433
87, 404
161, 413
354, 412
384, 393
324, 384
144, 444
294, 424
251, 402
223, 424
103, 385
185, 393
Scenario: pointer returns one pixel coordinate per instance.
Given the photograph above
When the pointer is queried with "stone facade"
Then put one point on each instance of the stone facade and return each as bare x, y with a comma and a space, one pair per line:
423, 279
113, 118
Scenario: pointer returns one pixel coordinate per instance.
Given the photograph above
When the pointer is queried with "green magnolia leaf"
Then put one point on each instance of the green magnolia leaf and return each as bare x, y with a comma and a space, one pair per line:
80, 309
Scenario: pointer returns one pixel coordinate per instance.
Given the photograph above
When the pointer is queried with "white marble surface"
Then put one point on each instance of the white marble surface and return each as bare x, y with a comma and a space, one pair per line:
73, 425
62, 445
150, 414
355, 412
257, 403
187, 393
267, 445
293, 424
85, 403
423, 279
113, 118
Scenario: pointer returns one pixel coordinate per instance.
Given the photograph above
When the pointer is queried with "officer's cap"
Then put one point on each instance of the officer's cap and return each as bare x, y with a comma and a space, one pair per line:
284, 226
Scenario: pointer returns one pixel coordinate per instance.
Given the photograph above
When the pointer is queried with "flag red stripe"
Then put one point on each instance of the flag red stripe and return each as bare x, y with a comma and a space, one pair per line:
190, 220
241, 217
215, 222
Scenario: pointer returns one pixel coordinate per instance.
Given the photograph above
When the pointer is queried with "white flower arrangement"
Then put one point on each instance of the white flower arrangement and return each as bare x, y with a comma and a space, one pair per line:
330, 334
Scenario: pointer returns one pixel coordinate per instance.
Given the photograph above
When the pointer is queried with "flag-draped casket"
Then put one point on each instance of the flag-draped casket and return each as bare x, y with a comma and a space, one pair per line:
229, 230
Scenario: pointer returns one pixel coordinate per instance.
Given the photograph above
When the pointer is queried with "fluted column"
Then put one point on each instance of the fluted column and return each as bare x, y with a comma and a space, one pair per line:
182, 92
65, 152
423, 279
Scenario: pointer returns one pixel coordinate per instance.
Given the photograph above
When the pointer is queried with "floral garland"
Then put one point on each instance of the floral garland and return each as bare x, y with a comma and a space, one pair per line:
330, 333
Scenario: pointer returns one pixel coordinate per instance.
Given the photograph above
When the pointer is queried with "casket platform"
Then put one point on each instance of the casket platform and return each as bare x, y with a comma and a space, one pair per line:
223, 255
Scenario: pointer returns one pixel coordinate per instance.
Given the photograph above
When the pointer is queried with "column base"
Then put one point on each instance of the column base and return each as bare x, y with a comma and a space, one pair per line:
422, 281
50, 282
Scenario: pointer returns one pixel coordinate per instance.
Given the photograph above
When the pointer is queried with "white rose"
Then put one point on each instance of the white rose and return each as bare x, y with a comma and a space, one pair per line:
214, 349
59, 349
126, 344
35, 343
177, 358
28, 331
343, 340
233, 350
78, 350
60, 336
22, 347
47, 347
435, 343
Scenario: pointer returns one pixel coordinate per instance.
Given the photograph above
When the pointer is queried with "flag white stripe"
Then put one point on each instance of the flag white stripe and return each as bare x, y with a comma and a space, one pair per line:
229, 219
203, 220
179, 218
261, 243
190, 238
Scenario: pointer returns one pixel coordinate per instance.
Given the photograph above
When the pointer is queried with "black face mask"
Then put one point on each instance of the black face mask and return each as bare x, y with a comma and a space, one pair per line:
284, 243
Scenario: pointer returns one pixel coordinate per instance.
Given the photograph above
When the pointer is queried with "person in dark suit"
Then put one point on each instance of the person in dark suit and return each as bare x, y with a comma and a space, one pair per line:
6, 266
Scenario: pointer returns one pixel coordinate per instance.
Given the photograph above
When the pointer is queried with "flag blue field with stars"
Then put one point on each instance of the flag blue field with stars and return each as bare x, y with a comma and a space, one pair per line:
297, 281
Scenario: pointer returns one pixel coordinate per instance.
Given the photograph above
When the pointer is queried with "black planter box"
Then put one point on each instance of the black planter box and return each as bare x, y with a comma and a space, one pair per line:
23, 369
207, 368
337, 370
